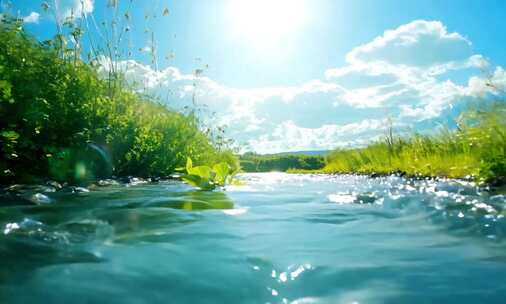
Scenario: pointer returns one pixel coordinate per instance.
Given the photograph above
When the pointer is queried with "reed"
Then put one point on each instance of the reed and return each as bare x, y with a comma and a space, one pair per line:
476, 149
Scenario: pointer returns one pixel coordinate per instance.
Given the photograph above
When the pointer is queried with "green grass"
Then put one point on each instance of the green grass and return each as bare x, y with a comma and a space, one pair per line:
52, 107
476, 149
251, 162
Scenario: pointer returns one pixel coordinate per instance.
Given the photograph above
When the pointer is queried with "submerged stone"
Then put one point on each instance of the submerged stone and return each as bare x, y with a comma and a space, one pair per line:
39, 198
106, 182
75, 189
23, 189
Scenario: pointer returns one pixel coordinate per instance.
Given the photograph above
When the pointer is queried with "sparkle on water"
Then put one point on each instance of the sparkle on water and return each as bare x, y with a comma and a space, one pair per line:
278, 239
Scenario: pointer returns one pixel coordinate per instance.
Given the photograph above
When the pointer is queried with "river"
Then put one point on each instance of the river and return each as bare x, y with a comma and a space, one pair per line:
278, 238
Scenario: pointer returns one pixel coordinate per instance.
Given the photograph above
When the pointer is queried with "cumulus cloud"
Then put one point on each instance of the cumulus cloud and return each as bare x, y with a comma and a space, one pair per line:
492, 84
375, 96
401, 68
408, 44
235, 106
404, 74
33, 17
75, 8
287, 136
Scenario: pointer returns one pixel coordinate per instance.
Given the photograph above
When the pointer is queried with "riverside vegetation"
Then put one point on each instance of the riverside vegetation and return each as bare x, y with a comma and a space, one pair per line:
60, 120
208, 178
476, 149
251, 162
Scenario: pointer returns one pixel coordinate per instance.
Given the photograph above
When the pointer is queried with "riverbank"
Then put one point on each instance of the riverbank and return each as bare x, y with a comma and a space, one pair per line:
60, 119
491, 183
41, 193
497, 186
475, 150
251, 162
494, 183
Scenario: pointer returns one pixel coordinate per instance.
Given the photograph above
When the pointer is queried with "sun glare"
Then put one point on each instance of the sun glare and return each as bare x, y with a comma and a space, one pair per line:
265, 22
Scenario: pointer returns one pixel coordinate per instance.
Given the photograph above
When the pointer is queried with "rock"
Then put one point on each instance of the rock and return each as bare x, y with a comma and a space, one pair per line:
132, 181
39, 199
22, 195
399, 173
137, 181
106, 182
29, 199
365, 198
125, 179
81, 190
74, 189
24, 189
154, 179
54, 184
497, 182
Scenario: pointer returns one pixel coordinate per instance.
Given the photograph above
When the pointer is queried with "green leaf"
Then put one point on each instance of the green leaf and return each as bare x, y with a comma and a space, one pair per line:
221, 171
193, 180
199, 182
203, 171
232, 179
189, 165
5, 88
10, 135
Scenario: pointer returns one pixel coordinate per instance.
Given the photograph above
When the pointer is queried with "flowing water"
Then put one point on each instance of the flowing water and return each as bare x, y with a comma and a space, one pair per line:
279, 238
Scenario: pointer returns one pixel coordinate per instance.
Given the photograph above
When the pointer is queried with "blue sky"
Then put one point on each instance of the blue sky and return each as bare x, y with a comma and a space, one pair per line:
316, 74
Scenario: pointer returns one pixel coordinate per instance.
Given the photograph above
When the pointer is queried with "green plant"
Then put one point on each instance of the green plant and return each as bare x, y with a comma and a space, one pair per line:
51, 107
251, 162
207, 178
477, 148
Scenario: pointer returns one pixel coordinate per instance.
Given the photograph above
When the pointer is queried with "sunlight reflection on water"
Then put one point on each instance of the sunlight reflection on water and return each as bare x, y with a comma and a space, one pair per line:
280, 239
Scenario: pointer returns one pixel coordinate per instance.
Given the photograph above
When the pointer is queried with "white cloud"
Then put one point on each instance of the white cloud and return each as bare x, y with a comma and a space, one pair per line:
32, 18
287, 136
417, 113
374, 97
406, 74
494, 83
401, 68
75, 8
235, 106
418, 43
251, 128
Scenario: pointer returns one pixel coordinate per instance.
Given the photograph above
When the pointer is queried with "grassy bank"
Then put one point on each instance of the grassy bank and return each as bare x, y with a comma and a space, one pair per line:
251, 162
60, 120
477, 148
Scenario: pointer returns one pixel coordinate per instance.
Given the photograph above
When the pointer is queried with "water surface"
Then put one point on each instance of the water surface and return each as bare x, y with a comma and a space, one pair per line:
279, 238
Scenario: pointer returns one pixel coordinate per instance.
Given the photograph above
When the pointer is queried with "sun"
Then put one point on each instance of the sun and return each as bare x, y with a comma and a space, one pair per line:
266, 22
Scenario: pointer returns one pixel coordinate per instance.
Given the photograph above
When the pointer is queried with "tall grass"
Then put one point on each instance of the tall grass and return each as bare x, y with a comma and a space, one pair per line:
251, 162
475, 149
54, 112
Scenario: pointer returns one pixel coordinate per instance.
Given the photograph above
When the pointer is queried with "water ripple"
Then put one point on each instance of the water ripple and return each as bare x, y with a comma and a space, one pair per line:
279, 239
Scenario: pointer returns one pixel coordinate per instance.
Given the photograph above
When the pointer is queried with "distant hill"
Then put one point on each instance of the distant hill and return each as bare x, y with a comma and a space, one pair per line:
308, 153
313, 152
304, 160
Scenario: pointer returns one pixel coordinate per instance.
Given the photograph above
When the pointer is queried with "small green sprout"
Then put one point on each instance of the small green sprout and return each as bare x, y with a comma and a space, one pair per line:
207, 178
